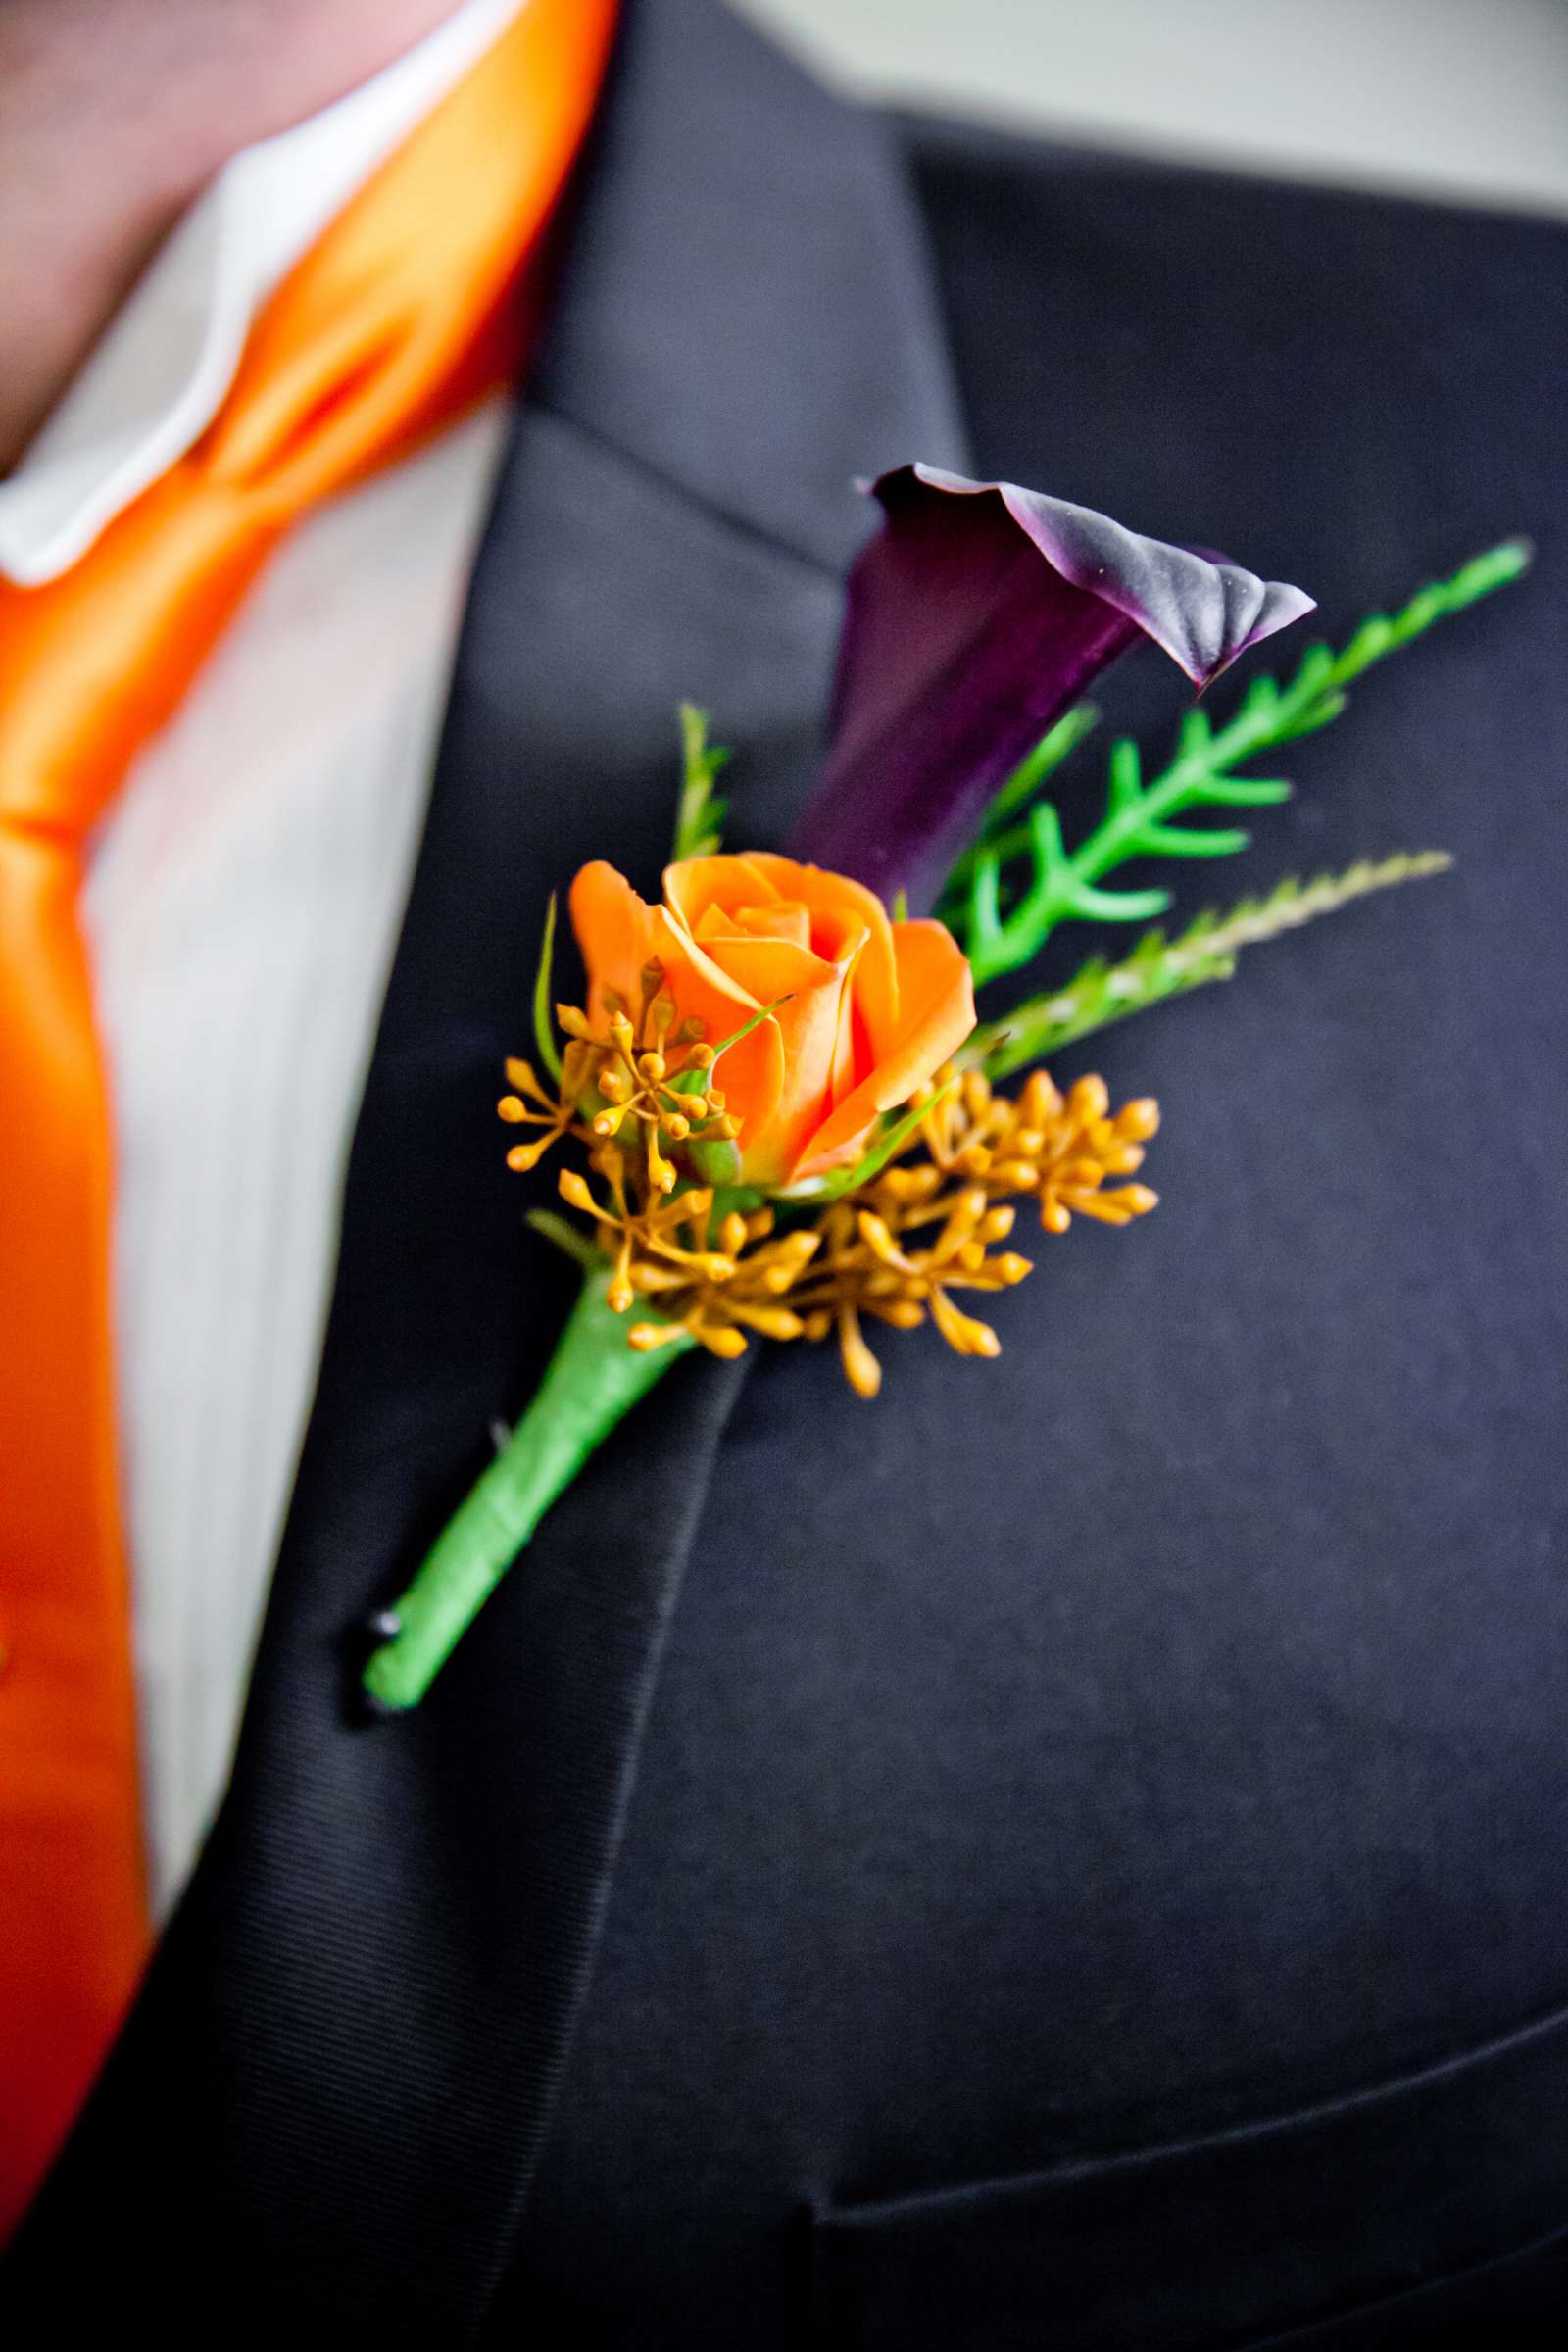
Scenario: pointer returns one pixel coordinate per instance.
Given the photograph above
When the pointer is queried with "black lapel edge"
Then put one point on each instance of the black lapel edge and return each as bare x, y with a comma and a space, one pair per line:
735, 220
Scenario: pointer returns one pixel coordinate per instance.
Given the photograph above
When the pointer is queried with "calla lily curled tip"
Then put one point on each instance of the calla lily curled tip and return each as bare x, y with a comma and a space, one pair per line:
975, 617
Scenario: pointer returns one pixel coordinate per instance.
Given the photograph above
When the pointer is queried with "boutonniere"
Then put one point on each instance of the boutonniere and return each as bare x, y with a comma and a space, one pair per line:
776, 1115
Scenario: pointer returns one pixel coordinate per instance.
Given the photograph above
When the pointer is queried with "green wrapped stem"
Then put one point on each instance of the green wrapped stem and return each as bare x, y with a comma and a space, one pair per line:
593, 1381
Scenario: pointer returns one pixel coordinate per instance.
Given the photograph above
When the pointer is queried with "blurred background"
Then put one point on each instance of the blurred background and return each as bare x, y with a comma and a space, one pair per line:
1467, 98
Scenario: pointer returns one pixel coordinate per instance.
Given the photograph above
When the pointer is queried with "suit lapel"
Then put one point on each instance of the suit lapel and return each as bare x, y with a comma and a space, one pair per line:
354, 2033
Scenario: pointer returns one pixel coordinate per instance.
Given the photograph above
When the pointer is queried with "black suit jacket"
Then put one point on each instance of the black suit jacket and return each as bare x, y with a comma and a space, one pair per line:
1072, 1855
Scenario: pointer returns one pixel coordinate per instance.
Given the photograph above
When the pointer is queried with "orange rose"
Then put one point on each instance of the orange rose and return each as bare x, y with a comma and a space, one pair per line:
872, 1007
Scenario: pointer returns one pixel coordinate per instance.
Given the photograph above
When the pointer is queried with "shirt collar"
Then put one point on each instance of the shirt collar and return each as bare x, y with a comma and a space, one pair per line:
159, 375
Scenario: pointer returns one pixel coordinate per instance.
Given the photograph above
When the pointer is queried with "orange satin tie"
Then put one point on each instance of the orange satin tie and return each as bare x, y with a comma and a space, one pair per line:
412, 305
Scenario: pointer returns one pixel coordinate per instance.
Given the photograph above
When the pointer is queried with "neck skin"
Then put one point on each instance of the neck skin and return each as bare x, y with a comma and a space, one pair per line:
114, 116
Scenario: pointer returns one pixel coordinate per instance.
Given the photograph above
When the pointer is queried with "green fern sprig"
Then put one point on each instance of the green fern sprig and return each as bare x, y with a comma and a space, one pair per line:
1048, 754
1140, 817
1101, 992
700, 814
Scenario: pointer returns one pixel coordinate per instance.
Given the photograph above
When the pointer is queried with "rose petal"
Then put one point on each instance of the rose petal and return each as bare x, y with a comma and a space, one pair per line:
876, 986
616, 933
780, 920
936, 1015
807, 1024
698, 883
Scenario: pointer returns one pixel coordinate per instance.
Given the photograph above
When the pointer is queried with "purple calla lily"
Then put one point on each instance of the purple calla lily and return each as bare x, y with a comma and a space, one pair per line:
975, 617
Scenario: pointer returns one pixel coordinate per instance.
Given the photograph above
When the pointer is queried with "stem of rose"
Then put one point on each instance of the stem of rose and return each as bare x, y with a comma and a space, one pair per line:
593, 1381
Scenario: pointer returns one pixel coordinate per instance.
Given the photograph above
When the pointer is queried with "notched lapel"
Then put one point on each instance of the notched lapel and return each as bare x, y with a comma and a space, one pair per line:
341, 2071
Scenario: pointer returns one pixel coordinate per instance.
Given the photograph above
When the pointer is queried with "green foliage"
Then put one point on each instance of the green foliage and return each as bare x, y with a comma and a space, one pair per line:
716, 1158
544, 1034
1003, 918
1100, 992
1032, 770
700, 814
567, 1237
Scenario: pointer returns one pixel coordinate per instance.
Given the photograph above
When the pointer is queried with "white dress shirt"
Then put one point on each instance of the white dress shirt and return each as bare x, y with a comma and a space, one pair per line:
242, 904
